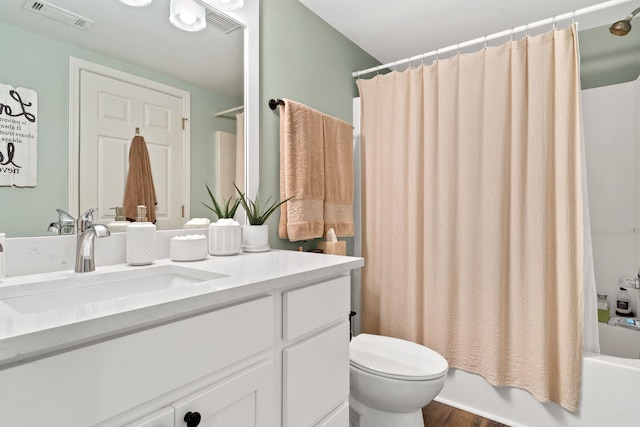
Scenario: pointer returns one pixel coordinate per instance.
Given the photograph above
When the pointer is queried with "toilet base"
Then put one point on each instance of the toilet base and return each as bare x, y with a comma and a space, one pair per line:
361, 415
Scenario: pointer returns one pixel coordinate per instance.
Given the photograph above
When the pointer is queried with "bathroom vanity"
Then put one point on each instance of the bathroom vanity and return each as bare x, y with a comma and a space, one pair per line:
249, 340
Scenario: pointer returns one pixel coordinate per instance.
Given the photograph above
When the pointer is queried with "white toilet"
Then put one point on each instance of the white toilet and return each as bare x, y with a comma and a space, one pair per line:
391, 381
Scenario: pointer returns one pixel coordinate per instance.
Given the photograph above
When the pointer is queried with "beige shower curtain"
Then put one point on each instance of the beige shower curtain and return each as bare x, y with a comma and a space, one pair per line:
473, 212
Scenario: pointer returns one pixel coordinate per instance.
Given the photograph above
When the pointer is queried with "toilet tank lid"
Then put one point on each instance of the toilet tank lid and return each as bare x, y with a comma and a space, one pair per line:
396, 358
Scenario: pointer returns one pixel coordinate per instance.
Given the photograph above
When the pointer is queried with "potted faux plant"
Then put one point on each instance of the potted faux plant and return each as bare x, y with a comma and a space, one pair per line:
255, 236
225, 235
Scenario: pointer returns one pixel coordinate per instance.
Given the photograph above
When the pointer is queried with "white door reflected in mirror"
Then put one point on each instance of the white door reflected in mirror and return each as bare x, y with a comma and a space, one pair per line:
110, 112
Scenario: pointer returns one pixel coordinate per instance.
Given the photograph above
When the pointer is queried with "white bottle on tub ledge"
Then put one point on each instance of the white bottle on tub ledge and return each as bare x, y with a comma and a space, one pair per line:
141, 239
623, 303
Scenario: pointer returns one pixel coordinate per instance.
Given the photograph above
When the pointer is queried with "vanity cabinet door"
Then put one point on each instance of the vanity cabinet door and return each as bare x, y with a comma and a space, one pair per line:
316, 377
242, 400
338, 418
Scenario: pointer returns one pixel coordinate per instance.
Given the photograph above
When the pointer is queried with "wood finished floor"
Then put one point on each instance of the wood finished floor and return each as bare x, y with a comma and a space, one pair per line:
439, 415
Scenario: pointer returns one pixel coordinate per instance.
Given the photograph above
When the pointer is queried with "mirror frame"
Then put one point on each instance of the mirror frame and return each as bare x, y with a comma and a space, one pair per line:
249, 16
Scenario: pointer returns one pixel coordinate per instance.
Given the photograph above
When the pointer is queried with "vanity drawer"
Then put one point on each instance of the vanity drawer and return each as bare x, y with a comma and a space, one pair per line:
99, 381
313, 307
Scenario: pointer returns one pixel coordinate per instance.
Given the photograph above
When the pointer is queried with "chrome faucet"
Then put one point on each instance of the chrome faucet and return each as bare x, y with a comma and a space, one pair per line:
66, 224
87, 232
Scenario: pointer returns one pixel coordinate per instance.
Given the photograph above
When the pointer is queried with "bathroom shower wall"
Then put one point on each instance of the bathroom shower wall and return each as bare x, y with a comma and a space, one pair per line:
612, 139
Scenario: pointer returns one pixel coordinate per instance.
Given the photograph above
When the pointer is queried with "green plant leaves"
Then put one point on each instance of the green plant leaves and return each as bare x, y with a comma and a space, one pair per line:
257, 215
227, 210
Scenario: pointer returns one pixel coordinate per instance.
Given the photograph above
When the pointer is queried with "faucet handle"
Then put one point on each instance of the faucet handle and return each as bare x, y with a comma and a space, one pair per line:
63, 216
86, 219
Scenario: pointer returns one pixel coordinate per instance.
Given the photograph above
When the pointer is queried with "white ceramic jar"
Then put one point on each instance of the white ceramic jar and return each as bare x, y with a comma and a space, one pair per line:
255, 238
225, 237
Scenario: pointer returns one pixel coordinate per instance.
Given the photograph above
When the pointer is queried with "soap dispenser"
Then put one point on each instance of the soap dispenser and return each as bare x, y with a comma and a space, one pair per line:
141, 239
120, 224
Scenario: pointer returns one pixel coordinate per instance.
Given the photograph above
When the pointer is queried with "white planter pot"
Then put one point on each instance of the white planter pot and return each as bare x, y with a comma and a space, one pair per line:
225, 237
255, 238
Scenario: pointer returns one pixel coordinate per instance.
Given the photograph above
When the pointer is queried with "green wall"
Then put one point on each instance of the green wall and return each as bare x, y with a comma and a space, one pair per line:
304, 59
606, 59
41, 64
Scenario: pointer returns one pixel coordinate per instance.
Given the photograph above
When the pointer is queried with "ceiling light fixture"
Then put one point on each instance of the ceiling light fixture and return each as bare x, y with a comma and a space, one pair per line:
187, 15
225, 4
136, 3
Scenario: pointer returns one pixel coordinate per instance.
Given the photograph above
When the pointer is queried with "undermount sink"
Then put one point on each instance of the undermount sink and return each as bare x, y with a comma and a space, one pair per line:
96, 287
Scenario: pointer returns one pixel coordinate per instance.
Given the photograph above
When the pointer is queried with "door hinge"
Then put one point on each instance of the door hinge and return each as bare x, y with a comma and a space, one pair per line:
182, 211
184, 120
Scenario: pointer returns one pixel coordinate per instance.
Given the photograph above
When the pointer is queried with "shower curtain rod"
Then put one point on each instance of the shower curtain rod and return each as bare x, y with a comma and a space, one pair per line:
509, 32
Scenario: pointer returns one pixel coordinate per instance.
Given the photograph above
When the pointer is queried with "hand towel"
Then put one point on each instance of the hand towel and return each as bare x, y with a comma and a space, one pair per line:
301, 172
139, 189
338, 176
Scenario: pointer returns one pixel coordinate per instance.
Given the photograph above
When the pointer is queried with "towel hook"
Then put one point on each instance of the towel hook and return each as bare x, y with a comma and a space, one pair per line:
137, 131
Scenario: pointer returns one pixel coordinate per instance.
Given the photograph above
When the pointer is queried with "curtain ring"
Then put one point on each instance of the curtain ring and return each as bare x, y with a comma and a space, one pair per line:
526, 30
485, 41
553, 19
511, 35
458, 48
573, 17
437, 55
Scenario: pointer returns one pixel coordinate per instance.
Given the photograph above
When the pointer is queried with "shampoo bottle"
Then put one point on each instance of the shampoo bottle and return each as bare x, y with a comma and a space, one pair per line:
141, 239
120, 224
623, 303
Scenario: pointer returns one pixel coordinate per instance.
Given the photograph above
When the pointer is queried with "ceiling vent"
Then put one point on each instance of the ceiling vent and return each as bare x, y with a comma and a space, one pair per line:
221, 21
57, 13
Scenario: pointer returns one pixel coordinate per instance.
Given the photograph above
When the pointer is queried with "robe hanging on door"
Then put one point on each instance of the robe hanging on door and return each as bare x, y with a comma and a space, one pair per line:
139, 189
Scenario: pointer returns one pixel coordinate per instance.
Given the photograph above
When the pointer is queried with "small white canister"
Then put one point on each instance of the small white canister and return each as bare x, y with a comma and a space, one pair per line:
192, 247
225, 237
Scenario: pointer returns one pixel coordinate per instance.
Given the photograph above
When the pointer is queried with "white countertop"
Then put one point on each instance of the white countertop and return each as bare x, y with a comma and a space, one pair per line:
25, 335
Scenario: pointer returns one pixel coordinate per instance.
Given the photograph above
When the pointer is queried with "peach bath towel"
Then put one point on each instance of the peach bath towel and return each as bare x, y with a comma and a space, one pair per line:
139, 189
316, 169
338, 176
301, 172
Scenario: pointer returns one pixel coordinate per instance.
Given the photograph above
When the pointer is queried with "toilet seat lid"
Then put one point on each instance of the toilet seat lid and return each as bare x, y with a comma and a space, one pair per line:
396, 358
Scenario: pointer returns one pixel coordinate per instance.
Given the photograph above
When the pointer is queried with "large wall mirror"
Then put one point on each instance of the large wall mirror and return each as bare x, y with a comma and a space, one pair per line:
217, 67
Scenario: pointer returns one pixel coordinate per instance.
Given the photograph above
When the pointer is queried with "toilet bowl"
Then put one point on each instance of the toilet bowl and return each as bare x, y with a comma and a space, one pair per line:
391, 381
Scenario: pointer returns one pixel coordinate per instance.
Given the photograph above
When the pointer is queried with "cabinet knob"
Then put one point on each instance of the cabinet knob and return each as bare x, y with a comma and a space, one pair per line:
192, 419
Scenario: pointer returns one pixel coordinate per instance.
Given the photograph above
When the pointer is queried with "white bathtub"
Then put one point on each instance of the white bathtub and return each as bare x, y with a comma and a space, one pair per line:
609, 393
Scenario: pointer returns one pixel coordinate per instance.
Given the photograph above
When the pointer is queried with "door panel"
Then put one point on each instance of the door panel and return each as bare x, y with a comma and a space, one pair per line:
111, 111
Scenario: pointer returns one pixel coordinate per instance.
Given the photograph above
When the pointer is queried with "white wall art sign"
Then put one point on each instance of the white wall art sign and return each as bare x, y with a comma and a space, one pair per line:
18, 136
